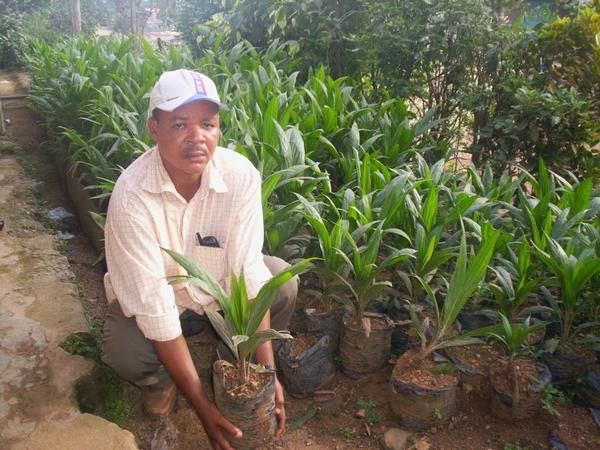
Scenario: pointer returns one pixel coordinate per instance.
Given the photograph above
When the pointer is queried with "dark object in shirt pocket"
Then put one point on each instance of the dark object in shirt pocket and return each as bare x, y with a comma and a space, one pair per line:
207, 241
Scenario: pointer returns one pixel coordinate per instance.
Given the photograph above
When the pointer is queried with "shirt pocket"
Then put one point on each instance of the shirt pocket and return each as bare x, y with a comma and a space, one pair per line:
211, 259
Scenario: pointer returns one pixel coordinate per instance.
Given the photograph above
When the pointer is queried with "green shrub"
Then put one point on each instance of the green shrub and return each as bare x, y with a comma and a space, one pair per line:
570, 51
545, 103
532, 123
12, 41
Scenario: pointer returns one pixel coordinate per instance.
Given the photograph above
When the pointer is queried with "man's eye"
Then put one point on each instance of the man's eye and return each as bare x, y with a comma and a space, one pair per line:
208, 125
178, 126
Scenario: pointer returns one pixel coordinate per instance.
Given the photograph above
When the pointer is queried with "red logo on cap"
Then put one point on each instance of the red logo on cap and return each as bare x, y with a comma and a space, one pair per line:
199, 83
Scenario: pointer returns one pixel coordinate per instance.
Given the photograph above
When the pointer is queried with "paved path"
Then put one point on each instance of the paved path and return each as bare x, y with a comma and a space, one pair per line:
39, 308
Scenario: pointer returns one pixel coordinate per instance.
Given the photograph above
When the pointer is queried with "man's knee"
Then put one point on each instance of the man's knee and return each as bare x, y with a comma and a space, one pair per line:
129, 353
285, 301
277, 265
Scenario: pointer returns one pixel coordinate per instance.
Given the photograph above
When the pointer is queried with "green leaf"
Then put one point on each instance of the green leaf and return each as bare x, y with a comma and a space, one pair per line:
460, 341
223, 329
270, 123
263, 300
430, 208
524, 258
250, 345
329, 119
469, 272
202, 278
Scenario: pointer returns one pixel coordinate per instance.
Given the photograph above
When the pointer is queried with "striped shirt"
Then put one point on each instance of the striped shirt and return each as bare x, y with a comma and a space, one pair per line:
146, 213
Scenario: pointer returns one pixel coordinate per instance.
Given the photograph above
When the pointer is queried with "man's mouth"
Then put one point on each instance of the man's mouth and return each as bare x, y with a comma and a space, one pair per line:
196, 155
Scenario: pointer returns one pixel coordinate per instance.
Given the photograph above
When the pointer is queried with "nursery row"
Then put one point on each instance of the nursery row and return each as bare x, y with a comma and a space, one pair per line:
406, 251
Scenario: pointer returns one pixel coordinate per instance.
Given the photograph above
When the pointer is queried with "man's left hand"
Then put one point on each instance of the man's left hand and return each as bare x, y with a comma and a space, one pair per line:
279, 408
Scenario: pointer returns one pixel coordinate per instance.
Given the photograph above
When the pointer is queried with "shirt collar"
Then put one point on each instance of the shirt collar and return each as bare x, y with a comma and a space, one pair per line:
158, 180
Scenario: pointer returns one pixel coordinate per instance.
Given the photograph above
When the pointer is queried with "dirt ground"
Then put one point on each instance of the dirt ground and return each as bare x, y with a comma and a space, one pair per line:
320, 422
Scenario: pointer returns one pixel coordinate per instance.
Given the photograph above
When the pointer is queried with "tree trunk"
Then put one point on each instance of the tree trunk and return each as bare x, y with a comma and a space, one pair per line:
133, 16
76, 16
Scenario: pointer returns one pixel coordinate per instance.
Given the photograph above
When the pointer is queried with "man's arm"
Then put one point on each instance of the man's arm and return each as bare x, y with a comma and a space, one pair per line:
264, 355
175, 356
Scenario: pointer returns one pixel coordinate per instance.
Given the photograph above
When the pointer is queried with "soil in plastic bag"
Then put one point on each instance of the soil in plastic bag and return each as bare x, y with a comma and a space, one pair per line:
588, 392
567, 367
328, 323
420, 398
473, 363
473, 320
400, 335
306, 370
250, 407
361, 353
531, 379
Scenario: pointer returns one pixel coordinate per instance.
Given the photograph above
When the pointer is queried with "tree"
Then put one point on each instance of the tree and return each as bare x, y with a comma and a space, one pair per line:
544, 103
431, 52
76, 16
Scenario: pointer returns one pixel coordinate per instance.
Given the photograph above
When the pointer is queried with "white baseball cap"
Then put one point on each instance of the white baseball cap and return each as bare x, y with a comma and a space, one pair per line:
177, 88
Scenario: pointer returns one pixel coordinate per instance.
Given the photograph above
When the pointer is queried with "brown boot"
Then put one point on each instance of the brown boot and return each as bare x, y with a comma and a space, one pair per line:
159, 401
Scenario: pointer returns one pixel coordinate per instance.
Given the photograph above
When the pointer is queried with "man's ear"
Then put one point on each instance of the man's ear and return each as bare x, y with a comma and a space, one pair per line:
153, 128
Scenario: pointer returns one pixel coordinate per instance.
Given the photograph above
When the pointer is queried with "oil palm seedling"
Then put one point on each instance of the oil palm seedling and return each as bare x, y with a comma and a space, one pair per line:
366, 337
331, 243
348, 265
573, 264
251, 409
469, 272
434, 241
497, 192
517, 382
513, 336
398, 134
501, 189
551, 210
350, 273
239, 324
282, 209
419, 405
364, 267
356, 201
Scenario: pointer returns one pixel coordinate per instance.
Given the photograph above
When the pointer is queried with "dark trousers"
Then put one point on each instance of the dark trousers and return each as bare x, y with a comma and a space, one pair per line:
132, 356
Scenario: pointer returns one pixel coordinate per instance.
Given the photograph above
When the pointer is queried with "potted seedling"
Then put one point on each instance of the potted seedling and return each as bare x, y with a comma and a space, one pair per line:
308, 362
573, 265
517, 382
349, 273
365, 343
422, 392
323, 315
244, 392
516, 278
432, 250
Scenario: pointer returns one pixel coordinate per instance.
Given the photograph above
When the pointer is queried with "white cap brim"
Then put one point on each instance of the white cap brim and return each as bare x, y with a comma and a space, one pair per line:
177, 103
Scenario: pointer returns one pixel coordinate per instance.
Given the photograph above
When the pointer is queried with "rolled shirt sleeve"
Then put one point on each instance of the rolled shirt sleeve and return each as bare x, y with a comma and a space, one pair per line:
137, 274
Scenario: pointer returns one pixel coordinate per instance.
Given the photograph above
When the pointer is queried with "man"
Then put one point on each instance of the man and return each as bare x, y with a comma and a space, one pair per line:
203, 201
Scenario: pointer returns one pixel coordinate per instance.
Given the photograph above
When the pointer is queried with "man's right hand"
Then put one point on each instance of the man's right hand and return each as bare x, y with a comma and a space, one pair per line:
216, 425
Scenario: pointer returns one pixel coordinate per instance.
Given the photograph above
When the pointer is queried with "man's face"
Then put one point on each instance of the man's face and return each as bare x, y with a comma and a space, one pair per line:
187, 138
